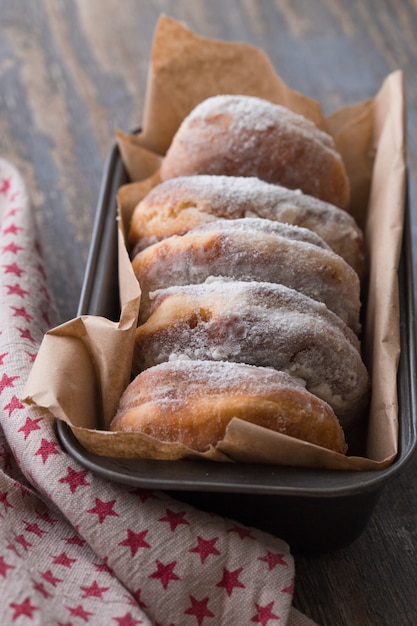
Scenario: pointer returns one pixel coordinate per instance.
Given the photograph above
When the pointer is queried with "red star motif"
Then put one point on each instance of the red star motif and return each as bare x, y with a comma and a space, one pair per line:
242, 532
93, 591
174, 519
50, 578
231, 580
127, 620
75, 541
46, 318
5, 186
13, 405
21, 312
4, 567
273, 559
2, 357
45, 517
16, 290
25, 334
13, 268
23, 490
75, 479
78, 611
104, 567
23, 608
38, 586
12, 247
130, 600
103, 509
135, 541
46, 449
45, 292
7, 381
32, 356
34, 528
12, 229
29, 426
63, 559
22, 541
41, 271
199, 609
3, 500
264, 614
205, 547
143, 494
12, 212
165, 573
136, 594
13, 548
289, 589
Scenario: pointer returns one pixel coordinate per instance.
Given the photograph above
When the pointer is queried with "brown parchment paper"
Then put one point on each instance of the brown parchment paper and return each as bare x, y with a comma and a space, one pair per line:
92, 356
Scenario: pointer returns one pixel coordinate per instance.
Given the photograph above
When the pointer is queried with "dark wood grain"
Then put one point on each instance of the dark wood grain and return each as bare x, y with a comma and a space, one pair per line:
71, 72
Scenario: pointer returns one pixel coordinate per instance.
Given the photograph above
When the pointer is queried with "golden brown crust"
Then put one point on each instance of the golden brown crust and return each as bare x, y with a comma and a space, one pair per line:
249, 196
252, 249
179, 204
192, 402
247, 136
260, 324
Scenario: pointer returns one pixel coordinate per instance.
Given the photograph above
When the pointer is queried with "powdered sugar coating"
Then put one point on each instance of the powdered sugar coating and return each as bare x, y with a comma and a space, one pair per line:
236, 135
258, 114
259, 324
229, 248
192, 402
179, 204
256, 224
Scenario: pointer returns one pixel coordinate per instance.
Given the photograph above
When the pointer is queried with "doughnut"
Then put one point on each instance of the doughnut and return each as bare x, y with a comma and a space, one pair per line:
262, 324
251, 249
236, 135
192, 402
178, 204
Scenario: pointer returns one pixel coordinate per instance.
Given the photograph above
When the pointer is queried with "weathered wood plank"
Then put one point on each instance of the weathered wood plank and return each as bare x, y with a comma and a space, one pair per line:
70, 72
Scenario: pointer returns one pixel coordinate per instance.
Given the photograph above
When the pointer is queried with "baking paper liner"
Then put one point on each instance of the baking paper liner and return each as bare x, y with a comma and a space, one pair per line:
83, 366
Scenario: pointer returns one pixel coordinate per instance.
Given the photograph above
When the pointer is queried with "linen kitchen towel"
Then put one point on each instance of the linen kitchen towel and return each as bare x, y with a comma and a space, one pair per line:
75, 549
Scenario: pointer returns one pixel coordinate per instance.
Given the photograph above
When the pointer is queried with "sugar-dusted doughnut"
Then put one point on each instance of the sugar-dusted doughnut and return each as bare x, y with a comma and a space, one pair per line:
252, 249
178, 204
260, 324
238, 135
192, 402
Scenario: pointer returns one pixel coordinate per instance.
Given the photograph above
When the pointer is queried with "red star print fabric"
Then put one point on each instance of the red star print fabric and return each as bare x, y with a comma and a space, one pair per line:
75, 549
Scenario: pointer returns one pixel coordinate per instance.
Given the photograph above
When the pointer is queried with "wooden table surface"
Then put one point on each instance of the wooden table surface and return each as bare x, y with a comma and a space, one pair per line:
71, 72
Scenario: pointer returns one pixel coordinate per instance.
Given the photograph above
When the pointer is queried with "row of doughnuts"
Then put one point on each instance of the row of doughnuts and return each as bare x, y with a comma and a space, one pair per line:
252, 249
250, 271
179, 204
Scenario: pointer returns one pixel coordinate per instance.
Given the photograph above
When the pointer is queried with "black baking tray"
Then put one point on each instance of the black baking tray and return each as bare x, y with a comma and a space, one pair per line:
314, 510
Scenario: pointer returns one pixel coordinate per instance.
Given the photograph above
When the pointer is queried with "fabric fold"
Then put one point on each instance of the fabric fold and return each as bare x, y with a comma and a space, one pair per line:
73, 545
